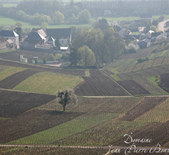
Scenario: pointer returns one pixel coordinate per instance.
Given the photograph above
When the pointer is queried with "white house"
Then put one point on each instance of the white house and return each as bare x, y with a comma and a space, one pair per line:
12, 35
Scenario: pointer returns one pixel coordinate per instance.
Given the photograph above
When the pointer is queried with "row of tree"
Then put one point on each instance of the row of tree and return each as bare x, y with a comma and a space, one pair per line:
56, 12
35, 13
95, 46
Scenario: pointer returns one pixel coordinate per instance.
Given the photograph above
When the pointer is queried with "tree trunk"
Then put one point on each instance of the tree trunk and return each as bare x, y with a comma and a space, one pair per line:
64, 106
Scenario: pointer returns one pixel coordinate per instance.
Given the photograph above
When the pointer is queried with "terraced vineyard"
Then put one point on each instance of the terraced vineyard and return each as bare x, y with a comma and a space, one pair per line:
99, 84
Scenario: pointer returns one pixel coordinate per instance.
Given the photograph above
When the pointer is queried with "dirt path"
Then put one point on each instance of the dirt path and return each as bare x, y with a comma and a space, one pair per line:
161, 25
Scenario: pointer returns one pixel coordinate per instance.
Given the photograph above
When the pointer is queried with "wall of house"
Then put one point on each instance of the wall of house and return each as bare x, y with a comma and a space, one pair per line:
15, 40
3, 45
64, 42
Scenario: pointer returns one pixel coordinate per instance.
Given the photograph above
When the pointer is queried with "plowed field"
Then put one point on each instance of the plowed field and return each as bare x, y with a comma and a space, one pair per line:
32, 122
99, 84
164, 82
13, 103
132, 87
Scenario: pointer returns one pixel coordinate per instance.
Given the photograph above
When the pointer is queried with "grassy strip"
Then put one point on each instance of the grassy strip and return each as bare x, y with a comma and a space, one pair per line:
7, 51
103, 134
115, 76
7, 71
48, 83
52, 135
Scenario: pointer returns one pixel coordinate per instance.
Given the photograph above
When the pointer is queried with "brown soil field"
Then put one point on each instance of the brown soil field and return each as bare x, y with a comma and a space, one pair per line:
132, 87
75, 72
15, 55
13, 80
13, 103
99, 84
31, 122
164, 82
144, 106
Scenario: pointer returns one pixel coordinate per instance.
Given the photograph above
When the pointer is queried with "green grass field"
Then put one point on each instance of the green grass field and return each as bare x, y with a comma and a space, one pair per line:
9, 5
8, 22
77, 125
6, 71
48, 83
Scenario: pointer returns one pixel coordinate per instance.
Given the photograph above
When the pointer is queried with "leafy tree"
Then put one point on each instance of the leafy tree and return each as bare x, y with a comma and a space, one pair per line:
73, 57
73, 19
65, 97
106, 45
44, 25
101, 24
49, 57
86, 56
84, 17
58, 18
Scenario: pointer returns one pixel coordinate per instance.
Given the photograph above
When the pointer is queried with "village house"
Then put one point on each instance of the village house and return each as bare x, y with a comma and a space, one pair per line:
62, 34
38, 39
12, 35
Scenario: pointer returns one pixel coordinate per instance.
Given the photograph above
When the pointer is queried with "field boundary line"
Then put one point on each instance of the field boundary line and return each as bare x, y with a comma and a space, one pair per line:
19, 91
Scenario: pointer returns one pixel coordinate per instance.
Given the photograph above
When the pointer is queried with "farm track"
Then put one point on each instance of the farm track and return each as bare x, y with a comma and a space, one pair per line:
99, 84
147, 104
21, 102
13, 80
31, 122
73, 150
42, 68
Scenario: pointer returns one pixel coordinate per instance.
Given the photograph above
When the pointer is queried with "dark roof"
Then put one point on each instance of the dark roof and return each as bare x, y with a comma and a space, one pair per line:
34, 36
40, 31
51, 39
156, 34
59, 33
7, 33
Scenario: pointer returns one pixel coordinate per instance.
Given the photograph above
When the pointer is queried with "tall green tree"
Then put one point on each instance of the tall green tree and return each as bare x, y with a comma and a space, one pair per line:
65, 97
58, 18
84, 17
86, 56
